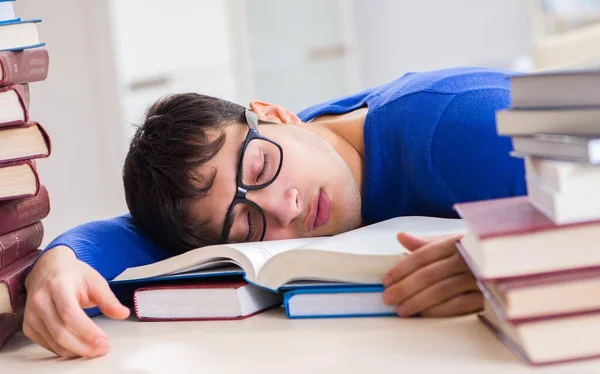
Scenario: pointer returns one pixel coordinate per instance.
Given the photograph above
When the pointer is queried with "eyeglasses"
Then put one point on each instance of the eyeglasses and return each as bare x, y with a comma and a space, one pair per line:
258, 166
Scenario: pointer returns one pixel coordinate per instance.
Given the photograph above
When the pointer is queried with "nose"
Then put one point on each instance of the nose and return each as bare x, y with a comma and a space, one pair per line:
281, 206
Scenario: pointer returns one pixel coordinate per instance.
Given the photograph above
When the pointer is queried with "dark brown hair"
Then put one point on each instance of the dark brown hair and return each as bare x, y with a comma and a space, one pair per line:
180, 133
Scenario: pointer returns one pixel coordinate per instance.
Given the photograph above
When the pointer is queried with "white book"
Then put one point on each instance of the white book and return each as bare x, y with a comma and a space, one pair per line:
362, 256
564, 176
563, 208
583, 149
353, 301
19, 35
569, 121
7, 11
556, 89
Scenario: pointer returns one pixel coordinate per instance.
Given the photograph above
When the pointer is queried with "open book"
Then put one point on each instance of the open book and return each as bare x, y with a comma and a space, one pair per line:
360, 256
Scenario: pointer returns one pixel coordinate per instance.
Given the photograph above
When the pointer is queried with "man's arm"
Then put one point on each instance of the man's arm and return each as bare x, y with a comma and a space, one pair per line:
110, 246
71, 275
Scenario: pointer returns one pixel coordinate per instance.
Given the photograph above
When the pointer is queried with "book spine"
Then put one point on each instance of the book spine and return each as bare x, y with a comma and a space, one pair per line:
9, 325
30, 65
22, 91
20, 243
16, 214
14, 277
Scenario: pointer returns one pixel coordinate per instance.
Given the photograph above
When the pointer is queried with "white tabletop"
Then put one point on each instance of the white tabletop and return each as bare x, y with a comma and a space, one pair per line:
271, 343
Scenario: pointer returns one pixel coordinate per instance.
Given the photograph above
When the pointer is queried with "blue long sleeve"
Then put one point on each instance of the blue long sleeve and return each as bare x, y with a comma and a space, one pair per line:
110, 246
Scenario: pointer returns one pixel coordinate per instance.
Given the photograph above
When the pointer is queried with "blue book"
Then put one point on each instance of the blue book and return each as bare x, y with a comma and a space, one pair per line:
7, 12
19, 35
337, 302
361, 256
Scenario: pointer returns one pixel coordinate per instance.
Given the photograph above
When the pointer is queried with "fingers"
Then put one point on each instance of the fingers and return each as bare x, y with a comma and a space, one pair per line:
34, 329
100, 293
424, 278
429, 253
438, 293
463, 304
411, 242
32, 334
75, 319
62, 335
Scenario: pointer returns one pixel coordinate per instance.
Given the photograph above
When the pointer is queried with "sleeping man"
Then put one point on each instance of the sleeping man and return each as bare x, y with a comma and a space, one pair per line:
201, 170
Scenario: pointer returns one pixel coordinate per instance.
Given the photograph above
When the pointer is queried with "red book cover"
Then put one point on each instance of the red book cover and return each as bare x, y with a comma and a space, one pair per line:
534, 280
518, 351
509, 216
19, 243
29, 65
22, 91
204, 285
9, 325
47, 142
31, 164
18, 213
13, 276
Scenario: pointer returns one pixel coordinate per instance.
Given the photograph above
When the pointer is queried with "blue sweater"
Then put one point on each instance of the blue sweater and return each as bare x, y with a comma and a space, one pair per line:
430, 142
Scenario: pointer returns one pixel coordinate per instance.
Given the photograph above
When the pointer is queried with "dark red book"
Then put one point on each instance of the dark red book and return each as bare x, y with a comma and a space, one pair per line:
556, 294
15, 105
10, 324
510, 238
26, 142
547, 340
20, 179
12, 282
26, 66
19, 243
209, 300
18, 213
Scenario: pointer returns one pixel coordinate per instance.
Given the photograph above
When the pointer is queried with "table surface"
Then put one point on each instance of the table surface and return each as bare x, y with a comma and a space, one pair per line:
271, 343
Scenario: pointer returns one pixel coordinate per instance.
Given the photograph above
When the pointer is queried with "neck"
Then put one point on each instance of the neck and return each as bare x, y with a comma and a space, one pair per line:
345, 133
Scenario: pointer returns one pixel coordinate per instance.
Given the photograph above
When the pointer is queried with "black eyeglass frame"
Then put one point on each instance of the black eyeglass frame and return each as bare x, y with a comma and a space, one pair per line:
242, 189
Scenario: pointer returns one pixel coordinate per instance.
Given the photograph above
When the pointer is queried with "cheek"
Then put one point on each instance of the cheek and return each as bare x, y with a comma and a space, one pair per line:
275, 232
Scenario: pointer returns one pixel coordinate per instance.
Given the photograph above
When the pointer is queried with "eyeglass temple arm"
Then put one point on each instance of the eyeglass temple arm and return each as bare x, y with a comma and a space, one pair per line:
252, 119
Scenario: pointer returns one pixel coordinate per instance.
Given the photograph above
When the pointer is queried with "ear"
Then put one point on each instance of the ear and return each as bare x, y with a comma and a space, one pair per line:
273, 113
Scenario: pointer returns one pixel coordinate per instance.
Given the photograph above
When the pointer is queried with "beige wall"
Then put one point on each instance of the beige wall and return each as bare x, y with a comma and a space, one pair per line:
78, 105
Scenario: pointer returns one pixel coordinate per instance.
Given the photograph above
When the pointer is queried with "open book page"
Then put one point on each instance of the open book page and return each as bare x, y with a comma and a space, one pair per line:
380, 238
248, 256
259, 252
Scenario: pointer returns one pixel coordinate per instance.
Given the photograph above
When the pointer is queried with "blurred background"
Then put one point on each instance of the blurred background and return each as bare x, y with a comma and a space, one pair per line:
110, 59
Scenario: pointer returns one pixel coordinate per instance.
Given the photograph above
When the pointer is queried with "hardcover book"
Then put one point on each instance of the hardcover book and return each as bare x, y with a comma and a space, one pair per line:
361, 256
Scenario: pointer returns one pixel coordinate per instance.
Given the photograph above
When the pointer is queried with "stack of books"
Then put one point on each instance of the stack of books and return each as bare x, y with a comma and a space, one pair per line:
537, 257
24, 201
336, 276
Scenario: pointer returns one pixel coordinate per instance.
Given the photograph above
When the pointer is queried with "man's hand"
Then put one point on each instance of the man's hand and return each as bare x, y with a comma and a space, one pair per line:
433, 280
58, 287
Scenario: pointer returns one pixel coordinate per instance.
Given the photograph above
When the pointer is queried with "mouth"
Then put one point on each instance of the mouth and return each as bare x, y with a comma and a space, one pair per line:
319, 211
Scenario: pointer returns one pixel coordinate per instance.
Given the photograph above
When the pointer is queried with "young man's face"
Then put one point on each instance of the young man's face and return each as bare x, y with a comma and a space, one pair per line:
315, 193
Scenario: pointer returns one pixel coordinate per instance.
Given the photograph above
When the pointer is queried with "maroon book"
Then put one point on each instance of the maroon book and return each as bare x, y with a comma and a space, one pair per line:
29, 65
520, 353
509, 216
10, 324
12, 281
184, 301
31, 131
19, 243
18, 213
28, 187
22, 100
